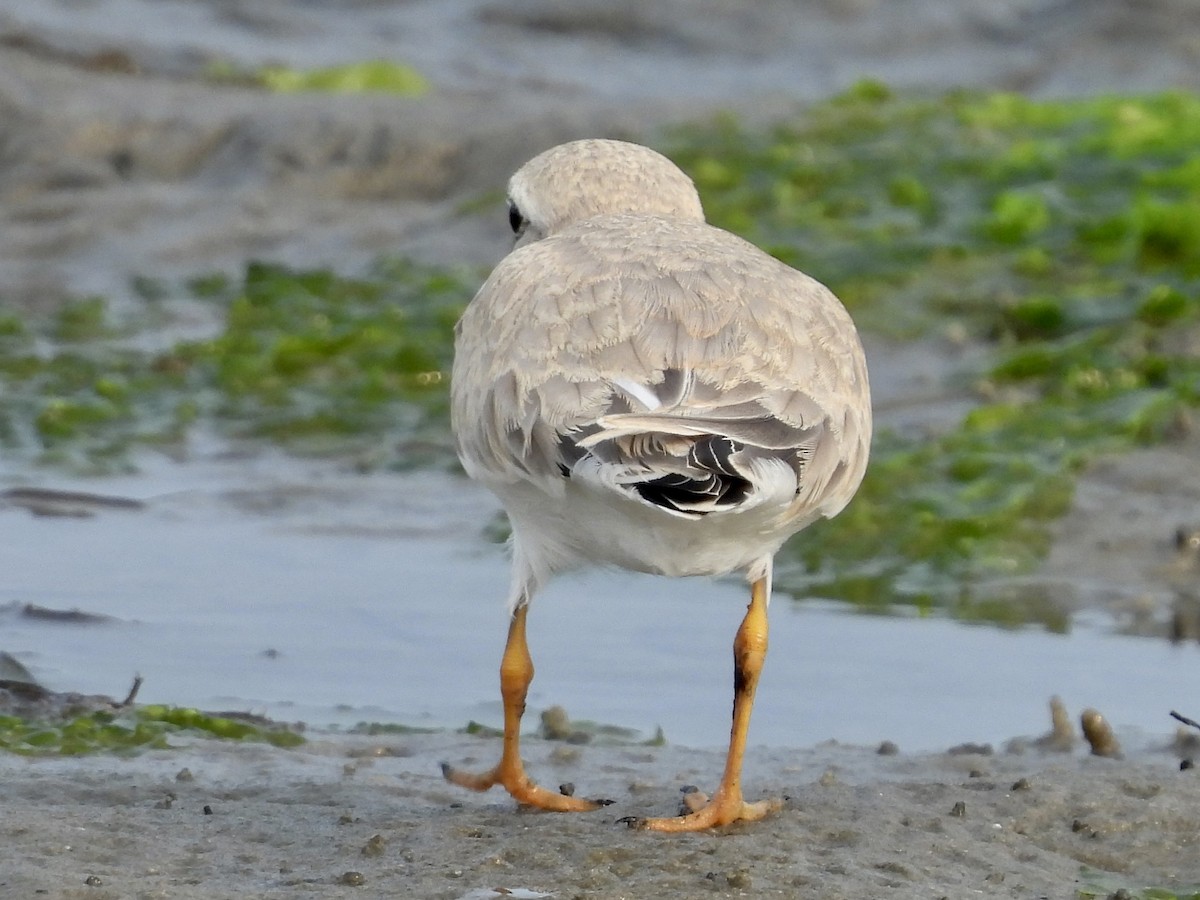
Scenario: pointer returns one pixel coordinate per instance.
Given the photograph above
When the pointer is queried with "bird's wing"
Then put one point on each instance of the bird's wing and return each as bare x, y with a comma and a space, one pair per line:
668, 360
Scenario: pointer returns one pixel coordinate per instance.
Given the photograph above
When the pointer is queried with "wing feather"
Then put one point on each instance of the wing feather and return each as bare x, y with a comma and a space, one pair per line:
627, 350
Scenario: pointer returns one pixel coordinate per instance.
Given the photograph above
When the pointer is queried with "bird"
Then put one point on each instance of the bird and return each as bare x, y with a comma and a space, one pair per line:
643, 390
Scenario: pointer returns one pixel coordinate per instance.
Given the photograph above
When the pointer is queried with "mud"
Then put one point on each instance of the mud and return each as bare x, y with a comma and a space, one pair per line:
118, 158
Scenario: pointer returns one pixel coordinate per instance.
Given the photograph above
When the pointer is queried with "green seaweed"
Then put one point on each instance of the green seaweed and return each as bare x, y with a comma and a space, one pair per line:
1061, 237
367, 76
1149, 893
83, 319
1100, 885
130, 731
308, 354
1059, 240
314, 361
225, 727
376, 75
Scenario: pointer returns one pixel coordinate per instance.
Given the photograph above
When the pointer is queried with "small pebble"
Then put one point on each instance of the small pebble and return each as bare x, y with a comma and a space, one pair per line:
354, 879
93, 881
888, 748
739, 880
959, 810
374, 846
1061, 737
1181, 628
1099, 734
185, 774
556, 725
207, 810
1081, 827
971, 748
1021, 784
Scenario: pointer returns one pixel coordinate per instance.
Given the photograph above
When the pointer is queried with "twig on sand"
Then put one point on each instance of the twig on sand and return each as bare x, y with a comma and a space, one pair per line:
1184, 719
128, 701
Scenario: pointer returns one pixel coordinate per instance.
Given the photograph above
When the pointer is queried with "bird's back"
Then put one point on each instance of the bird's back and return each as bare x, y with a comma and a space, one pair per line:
670, 365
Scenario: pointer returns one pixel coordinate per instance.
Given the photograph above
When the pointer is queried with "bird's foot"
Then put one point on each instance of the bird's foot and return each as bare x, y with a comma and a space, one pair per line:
522, 788
700, 813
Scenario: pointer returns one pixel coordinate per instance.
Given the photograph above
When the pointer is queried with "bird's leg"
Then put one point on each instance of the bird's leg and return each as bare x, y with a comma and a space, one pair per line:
516, 673
727, 805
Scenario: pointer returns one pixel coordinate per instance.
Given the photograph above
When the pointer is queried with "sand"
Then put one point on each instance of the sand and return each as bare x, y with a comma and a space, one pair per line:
351, 816
119, 160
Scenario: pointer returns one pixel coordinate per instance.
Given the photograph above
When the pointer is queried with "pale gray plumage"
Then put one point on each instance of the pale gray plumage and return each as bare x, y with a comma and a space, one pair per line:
642, 389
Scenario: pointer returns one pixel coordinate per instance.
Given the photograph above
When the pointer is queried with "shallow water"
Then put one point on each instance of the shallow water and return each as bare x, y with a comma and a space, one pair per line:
291, 589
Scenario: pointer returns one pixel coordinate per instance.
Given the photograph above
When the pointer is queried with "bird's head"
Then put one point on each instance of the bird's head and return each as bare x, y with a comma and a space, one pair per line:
576, 181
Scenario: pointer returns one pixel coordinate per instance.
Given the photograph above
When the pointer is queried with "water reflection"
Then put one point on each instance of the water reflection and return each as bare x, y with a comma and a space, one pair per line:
376, 599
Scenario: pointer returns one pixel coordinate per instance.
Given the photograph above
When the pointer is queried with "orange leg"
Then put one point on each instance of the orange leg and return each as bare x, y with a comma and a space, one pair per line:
727, 805
516, 673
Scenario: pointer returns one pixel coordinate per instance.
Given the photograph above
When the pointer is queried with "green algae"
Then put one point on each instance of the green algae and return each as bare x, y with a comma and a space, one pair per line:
1100, 885
370, 76
308, 359
367, 76
309, 355
1060, 238
81, 320
131, 731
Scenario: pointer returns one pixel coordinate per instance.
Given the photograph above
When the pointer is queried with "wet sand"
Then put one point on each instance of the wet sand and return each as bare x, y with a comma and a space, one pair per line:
120, 160
356, 816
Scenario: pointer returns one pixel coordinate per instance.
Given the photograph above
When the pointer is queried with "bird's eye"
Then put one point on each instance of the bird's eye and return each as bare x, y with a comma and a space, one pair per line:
515, 219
